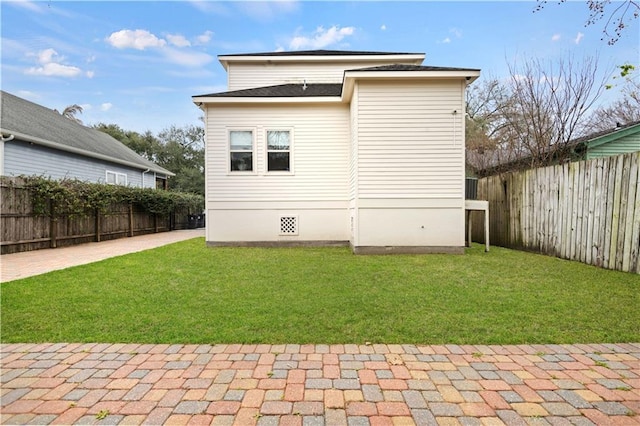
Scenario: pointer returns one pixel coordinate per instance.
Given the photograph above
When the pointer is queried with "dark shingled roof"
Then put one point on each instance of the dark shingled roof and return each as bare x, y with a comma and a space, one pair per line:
322, 53
36, 121
401, 67
283, 91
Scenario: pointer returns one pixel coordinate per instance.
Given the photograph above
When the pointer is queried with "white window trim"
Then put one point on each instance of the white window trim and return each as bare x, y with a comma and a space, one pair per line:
266, 151
116, 178
254, 152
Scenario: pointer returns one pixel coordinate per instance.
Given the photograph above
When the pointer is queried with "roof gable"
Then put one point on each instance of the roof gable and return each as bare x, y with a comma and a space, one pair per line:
40, 125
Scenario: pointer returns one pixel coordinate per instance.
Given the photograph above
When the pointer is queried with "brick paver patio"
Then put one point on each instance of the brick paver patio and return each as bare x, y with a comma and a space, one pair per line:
320, 384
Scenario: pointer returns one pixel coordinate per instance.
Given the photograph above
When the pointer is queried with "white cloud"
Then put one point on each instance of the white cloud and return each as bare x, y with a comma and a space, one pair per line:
205, 37
47, 55
86, 107
134, 39
53, 69
383, 27
51, 66
187, 59
446, 40
321, 38
456, 32
106, 106
178, 40
579, 38
90, 74
555, 37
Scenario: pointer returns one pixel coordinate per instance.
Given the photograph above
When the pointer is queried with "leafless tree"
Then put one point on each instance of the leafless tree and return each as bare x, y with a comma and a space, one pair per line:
621, 112
616, 15
531, 119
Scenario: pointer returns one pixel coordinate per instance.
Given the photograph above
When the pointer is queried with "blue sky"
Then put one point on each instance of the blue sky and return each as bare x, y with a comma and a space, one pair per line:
137, 64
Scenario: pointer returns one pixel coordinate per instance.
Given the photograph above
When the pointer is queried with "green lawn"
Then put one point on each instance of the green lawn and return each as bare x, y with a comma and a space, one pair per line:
188, 293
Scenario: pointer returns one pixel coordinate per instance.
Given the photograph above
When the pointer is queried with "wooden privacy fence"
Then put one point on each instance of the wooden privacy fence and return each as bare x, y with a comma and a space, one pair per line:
23, 230
587, 211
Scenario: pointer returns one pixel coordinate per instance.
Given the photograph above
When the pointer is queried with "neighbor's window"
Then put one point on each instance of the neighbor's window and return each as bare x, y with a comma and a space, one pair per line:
278, 150
115, 178
241, 150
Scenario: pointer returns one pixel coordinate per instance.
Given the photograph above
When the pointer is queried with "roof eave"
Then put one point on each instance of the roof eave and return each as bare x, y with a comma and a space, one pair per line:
470, 75
61, 147
200, 100
416, 58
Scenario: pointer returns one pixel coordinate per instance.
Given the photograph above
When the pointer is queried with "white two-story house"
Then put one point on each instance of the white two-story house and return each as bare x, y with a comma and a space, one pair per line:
337, 147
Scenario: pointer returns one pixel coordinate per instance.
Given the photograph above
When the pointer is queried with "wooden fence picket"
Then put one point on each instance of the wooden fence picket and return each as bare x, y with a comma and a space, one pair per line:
587, 211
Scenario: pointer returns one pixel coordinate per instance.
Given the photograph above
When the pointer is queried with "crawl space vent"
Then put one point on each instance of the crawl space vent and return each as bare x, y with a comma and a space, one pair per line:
288, 225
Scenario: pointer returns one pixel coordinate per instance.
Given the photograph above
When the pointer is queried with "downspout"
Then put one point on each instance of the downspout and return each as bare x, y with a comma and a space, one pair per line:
142, 183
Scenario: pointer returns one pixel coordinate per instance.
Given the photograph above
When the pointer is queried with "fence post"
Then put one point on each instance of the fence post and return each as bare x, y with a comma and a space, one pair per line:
131, 219
98, 225
53, 224
155, 222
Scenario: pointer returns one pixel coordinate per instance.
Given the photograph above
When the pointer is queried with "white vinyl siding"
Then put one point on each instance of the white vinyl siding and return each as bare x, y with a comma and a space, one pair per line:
320, 152
247, 76
410, 142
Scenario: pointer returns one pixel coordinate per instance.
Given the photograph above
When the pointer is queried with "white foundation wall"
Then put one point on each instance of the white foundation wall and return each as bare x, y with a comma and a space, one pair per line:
314, 223
411, 227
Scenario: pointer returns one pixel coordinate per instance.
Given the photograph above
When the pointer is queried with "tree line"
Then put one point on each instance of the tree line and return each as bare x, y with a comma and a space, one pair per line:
178, 149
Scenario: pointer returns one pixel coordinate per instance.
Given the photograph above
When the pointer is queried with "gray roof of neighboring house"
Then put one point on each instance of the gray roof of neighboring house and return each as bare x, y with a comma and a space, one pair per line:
43, 126
284, 91
323, 53
403, 67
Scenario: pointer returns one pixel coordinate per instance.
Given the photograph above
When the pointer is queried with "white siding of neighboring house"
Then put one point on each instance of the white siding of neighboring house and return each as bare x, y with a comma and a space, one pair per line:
22, 158
251, 75
410, 182
247, 207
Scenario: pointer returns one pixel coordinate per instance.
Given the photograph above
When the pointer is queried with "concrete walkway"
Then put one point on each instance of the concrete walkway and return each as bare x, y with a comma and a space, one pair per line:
320, 384
29, 263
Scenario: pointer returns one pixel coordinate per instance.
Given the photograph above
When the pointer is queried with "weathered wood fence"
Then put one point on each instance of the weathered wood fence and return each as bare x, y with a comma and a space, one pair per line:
22, 230
587, 211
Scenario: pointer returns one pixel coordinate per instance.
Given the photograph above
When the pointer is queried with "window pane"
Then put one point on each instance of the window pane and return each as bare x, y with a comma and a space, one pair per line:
122, 179
111, 178
278, 161
278, 140
241, 140
241, 161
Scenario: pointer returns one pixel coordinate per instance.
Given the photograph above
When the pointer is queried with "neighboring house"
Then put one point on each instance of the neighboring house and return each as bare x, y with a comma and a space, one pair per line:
324, 147
620, 140
40, 141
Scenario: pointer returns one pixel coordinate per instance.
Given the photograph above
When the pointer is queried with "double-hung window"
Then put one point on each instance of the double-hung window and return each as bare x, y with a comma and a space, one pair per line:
241, 150
115, 178
278, 151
